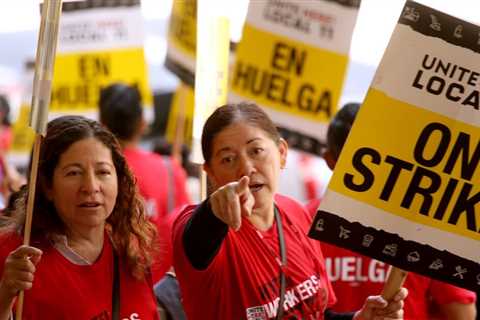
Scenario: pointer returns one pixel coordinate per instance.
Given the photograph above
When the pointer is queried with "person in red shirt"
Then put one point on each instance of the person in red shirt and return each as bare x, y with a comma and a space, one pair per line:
244, 252
354, 276
160, 179
91, 242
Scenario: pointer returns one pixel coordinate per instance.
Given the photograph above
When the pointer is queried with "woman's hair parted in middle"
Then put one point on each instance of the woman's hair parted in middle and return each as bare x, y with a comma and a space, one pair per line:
229, 114
132, 234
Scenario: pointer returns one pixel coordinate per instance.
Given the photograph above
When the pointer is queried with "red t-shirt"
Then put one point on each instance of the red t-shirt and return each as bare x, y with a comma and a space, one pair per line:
354, 277
242, 281
153, 174
63, 290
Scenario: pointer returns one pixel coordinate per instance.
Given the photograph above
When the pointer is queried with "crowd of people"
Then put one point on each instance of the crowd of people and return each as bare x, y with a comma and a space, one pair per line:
114, 235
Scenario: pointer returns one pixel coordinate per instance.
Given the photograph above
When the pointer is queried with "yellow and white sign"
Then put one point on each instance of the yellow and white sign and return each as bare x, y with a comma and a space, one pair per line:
97, 46
182, 40
292, 61
408, 176
181, 115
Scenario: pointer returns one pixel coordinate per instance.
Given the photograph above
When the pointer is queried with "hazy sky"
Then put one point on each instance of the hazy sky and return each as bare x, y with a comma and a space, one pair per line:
374, 24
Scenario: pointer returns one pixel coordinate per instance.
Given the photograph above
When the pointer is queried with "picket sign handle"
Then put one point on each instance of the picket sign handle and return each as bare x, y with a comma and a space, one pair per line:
395, 279
29, 214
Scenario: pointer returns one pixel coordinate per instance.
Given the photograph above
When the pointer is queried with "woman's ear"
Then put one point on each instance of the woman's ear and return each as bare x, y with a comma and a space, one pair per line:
283, 148
210, 174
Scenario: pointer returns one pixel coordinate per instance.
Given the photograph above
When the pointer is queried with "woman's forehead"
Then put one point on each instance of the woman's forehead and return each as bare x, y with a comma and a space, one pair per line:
239, 134
90, 147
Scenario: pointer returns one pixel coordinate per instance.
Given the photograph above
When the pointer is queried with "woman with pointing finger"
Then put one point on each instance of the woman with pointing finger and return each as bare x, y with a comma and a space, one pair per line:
243, 253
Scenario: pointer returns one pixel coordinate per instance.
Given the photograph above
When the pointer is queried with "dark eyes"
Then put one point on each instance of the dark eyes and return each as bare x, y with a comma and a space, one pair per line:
227, 160
73, 173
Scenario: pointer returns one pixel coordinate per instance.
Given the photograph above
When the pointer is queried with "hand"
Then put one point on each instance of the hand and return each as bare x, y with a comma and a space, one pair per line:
232, 201
18, 271
377, 308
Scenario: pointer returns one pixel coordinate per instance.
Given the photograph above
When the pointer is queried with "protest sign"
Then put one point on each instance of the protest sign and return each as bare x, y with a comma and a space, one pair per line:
405, 189
181, 110
292, 60
182, 40
100, 42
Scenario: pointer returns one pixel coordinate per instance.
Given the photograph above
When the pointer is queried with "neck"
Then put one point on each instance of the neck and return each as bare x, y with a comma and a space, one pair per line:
262, 218
87, 244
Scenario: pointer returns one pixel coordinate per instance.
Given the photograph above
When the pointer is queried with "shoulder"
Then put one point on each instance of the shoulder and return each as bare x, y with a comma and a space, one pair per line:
182, 218
444, 293
294, 209
287, 203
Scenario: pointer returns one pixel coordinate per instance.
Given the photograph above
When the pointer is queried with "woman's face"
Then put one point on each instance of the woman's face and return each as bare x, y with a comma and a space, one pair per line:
84, 185
243, 150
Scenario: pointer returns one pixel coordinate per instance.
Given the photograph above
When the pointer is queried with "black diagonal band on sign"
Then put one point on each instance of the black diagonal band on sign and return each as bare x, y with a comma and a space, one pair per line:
300, 141
90, 4
183, 73
347, 3
433, 23
392, 249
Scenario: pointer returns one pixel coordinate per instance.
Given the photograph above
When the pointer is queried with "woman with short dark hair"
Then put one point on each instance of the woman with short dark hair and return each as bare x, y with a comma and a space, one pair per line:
243, 253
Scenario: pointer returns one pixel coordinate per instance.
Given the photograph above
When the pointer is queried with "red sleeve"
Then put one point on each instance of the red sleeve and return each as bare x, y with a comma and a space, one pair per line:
444, 293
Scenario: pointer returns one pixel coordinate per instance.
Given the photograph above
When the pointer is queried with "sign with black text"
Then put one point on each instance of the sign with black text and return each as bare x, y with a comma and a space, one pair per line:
291, 61
406, 187
99, 43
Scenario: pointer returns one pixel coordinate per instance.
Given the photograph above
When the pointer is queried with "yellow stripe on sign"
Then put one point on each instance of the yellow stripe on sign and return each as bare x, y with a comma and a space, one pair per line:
182, 31
79, 77
183, 98
287, 75
413, 163
23, 134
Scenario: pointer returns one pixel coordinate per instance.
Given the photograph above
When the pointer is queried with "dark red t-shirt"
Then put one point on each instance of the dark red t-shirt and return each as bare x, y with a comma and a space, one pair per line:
63, 290
242, 281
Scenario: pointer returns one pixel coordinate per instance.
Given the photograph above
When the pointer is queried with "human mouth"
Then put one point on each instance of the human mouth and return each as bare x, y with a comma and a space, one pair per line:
90, 204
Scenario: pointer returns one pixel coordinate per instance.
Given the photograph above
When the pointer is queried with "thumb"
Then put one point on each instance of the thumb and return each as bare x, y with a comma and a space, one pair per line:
242, 186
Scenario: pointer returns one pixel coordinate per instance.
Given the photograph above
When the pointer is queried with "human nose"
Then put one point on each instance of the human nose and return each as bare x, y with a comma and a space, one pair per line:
90, 183
246, 166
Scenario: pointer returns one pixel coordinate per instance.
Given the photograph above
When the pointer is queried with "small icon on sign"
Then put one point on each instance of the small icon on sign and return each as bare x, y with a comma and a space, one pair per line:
413, 256
367, 240
460, 272
390, 250
458, 32
435, 25
411, 14
344, 233
319, 225
436, 264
